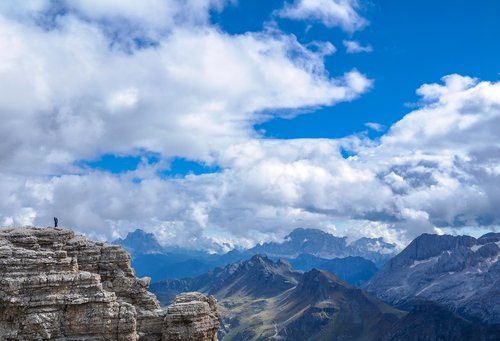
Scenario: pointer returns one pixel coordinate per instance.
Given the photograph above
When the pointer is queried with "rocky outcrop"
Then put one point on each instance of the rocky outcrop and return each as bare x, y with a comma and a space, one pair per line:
192, 316
58, 285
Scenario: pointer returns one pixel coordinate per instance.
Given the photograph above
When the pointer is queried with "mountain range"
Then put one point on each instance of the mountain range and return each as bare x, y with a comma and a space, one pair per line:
327, 246
439, 287
260, 299
305, 249
460, 272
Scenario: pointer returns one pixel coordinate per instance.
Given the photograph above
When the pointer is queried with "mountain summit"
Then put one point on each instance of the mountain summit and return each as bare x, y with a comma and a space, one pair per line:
140, 242
325, 245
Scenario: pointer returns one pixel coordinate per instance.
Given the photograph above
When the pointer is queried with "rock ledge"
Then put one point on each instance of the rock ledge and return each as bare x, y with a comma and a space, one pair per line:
55, 285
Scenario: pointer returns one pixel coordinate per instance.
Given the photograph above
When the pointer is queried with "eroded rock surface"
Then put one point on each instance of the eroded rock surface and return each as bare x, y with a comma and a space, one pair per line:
192, 316
58, 285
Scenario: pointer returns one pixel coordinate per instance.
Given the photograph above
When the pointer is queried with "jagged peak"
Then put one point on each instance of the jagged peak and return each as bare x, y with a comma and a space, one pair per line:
140, 241
323, 276
259, 261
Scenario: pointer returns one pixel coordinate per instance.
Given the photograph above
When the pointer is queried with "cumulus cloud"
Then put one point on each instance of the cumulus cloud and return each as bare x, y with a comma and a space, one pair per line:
83, 97
353, 46
331, 13
78, 85
72, 92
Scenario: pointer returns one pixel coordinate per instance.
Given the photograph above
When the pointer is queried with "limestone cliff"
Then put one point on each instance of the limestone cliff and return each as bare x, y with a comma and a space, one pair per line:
55, 285
201, 313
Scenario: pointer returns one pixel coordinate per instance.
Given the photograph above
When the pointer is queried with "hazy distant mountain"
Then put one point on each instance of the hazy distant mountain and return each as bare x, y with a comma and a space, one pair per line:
169, 265
310, 241
354, 270
140, 242
324, 245
374, 249
263, 299
149, 258
460, 272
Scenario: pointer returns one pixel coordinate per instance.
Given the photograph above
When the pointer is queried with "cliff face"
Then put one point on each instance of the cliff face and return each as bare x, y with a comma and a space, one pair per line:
57, 285
201, 313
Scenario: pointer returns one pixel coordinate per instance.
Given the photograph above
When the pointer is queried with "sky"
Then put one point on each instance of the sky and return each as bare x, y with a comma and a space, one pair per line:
223, 123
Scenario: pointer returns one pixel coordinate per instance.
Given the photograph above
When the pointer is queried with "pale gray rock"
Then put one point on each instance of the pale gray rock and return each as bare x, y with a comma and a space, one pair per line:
200, 313
55, 285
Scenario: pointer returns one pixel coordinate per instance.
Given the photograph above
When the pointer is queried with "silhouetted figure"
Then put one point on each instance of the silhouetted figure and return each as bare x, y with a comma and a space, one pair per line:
55, 221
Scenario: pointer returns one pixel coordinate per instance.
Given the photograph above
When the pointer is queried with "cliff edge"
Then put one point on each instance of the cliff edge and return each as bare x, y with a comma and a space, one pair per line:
58, 285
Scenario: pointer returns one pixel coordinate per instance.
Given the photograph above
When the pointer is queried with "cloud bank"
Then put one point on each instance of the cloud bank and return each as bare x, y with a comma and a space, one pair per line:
82, 81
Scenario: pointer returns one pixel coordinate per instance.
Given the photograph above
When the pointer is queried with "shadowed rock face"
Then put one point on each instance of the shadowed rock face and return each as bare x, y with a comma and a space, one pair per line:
323, 307
55, 284
431, 321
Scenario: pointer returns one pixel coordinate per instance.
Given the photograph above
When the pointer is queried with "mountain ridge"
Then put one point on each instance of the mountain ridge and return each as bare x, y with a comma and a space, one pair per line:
149, 258
262, 299
461, 272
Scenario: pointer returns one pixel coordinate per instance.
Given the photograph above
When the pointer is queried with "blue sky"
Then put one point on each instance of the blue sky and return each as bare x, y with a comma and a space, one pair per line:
414, 42
212, 122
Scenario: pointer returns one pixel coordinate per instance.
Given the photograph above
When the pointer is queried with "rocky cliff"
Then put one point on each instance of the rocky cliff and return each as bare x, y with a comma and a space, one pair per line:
199, 310
57, 285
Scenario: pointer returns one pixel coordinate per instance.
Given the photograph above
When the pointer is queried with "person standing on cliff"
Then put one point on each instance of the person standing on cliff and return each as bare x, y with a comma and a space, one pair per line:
55, 221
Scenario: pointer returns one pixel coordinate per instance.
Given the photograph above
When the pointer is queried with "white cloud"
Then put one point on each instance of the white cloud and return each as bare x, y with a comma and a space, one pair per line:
82, 97
69, 93
353, 46
375, 126
75, 87
341, 13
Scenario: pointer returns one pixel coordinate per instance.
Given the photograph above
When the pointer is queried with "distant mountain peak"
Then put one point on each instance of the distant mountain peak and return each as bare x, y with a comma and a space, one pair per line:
301, 232
260, 258
140, 242
325, 245
321, 279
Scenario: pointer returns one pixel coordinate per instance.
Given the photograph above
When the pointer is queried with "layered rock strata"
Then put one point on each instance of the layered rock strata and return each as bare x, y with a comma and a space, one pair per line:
200, 313
58, 285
